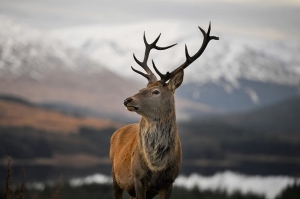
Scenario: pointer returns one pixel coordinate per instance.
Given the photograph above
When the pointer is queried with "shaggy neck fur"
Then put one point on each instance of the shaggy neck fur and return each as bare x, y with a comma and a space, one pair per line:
157, 140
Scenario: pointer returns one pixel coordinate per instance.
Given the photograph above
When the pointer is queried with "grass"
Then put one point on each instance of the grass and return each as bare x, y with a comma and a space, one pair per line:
9, 192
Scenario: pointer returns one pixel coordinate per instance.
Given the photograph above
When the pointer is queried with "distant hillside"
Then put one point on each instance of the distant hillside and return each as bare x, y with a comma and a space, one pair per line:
279, 118
282, 117
248, 95
234, 74
16, 112
38, 67
264, 141
49, 142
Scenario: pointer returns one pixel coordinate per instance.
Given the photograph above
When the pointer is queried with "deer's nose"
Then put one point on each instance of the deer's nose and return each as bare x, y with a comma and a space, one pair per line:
127, 101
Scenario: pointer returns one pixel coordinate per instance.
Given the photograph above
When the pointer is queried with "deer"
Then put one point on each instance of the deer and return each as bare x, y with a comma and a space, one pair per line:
146, 157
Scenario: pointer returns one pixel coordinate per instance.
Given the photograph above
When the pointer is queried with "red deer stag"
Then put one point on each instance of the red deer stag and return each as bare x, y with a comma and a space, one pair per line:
146, 157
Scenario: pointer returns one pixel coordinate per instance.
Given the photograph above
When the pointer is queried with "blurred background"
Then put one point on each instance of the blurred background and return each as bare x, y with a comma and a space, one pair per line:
65, 72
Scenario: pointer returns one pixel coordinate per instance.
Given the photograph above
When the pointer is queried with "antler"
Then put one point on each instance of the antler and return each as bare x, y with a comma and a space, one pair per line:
150, 75
189, 59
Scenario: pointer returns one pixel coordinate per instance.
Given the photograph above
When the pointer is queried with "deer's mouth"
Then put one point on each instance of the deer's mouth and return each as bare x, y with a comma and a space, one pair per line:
132, 108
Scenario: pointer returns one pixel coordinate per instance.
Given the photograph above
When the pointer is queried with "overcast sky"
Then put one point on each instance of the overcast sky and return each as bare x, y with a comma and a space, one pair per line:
268, 18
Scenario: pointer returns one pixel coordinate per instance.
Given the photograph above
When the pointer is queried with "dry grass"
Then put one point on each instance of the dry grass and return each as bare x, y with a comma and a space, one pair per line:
56, 194
18, 115
22, 185
9, 194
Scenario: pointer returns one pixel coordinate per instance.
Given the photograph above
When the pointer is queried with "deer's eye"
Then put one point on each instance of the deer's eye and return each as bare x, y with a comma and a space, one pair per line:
155, 92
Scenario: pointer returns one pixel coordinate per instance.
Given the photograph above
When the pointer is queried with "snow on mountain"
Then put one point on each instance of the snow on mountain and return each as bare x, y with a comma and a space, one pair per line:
38, 67
231, 75
234, 73
228, 59
26, 51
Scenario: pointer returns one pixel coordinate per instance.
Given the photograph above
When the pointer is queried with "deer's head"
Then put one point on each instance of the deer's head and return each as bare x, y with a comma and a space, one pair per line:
156, 101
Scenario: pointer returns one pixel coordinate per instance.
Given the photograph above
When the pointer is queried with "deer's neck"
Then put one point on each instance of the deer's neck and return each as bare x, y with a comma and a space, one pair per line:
157, 140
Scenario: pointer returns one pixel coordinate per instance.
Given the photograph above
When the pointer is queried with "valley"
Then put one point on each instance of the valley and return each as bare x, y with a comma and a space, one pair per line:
79, 145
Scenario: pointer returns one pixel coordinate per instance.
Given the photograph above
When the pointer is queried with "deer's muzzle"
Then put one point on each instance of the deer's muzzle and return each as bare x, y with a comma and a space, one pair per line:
126, 101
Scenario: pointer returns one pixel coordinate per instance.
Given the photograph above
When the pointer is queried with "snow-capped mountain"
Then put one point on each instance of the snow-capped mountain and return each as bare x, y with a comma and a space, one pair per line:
81, 68
228, 59
38, 67
26, 51
233, 73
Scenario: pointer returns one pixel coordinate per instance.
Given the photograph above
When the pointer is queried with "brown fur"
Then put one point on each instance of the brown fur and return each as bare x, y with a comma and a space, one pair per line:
146, 157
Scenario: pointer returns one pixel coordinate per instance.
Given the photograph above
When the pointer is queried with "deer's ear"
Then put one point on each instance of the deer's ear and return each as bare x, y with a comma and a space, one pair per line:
176, 81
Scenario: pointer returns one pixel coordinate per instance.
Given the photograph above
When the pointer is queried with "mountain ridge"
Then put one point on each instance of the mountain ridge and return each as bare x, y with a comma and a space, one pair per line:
45, 71
272, 61
234, 74
37, 67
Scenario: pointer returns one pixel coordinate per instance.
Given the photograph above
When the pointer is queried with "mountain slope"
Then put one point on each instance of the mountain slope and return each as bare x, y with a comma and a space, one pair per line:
52, 142
48, 143
228, 59
282, 117
233, 73
20, 115
249, 95
279, 118
36, 66
264, 141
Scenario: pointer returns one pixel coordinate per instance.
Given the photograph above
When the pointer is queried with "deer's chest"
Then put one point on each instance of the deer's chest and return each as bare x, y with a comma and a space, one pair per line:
157, 146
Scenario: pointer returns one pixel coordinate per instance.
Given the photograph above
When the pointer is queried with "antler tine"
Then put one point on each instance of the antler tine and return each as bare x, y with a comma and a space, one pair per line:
157, 71
189, 59
143, 74
150, 75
